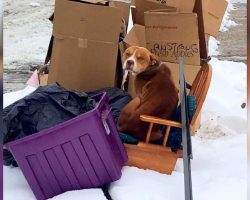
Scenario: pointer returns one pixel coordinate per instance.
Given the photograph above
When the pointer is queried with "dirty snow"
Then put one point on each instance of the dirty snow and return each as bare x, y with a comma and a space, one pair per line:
27, 32
227, 22
213, 46
219, 148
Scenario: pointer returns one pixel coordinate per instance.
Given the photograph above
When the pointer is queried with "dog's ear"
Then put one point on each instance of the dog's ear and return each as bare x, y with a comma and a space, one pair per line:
154, 60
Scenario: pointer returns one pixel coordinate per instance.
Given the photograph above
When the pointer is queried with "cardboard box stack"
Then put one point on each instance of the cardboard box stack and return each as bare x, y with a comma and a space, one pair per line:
85, 47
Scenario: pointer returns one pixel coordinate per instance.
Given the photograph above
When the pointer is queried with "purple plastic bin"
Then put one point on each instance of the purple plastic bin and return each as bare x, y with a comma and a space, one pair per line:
84, 152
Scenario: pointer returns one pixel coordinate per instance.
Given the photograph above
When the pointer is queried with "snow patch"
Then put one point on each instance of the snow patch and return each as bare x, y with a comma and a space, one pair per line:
96, 194
228, 89
35, 4
213, 46
26, 32
12, 97
227, 22
237, 1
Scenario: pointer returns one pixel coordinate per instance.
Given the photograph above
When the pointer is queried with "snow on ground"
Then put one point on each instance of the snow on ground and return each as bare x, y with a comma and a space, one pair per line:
27, 32
227, 22
219, 147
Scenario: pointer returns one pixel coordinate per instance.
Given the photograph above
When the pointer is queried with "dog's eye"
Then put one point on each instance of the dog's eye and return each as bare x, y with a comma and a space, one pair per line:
127, 54
140, 58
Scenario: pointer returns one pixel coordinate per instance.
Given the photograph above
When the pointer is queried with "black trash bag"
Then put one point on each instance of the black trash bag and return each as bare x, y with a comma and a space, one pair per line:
44, 108
117, 100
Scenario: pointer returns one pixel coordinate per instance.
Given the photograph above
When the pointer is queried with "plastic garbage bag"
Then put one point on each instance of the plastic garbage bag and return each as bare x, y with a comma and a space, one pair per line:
117, 99
45, 107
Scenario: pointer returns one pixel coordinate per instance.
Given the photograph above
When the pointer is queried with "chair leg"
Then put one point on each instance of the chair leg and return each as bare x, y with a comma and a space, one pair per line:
149, 132
164, 143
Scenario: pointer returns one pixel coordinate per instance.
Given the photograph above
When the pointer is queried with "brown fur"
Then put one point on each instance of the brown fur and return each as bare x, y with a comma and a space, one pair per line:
156, 94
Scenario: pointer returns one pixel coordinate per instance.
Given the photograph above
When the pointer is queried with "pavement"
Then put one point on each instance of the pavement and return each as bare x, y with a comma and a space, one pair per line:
233, 46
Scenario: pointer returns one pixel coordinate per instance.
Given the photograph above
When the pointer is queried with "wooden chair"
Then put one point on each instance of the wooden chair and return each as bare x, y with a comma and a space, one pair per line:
160, 158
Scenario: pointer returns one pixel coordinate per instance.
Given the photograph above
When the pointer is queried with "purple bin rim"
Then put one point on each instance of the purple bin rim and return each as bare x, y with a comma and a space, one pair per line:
42, 133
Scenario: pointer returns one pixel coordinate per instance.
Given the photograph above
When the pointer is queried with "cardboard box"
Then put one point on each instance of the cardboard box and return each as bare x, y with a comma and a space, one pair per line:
212, 12
171, 35
180, 5
136, 36
142, 6
124, 8
85, 48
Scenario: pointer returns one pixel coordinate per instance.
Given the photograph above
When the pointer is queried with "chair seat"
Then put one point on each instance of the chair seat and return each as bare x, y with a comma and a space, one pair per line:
151, 156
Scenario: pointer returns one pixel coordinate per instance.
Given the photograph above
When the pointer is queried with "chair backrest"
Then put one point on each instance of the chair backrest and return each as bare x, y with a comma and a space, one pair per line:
200, 88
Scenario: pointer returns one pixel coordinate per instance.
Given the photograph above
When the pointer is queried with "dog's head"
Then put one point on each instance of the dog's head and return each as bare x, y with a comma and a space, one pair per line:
138, 60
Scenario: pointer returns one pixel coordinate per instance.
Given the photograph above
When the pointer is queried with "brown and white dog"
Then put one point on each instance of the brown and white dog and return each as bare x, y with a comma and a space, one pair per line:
156, 93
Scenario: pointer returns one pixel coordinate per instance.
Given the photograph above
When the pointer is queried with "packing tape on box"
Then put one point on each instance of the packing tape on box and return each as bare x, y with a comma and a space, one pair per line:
82, 43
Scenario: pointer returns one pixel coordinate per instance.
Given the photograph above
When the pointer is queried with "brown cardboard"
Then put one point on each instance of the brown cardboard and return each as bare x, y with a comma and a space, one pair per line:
147, 5
182, 6
170, 35
124, 7
143, 6
85, 45
136, 36
212, 12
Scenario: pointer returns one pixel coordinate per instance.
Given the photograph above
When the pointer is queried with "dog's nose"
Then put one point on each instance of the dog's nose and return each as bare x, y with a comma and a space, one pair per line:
130, 63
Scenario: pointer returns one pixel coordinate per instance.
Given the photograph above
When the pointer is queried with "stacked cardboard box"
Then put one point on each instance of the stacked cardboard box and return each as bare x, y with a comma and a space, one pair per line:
85, 47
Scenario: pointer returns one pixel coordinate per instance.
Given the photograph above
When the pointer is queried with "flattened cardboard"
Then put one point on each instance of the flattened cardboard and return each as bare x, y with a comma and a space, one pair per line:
143, 6
124, 7
84, 69
147, 5
181, 5
80, 20
136, 36
170, 35
212, 12
85, 45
